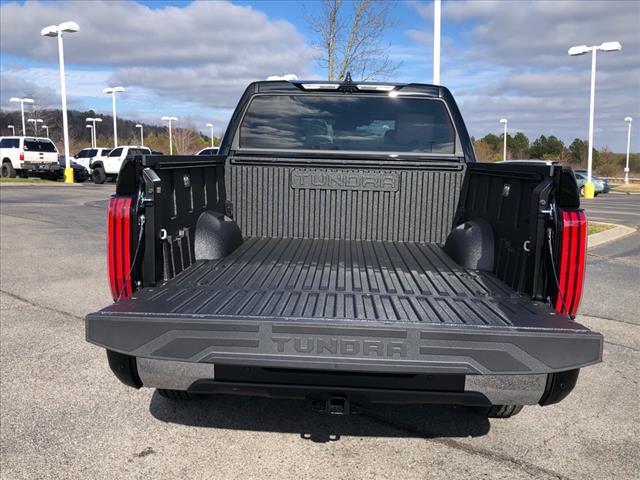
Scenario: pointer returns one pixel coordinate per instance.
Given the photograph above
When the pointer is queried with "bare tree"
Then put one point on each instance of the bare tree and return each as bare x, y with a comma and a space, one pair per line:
186, 140
349, 38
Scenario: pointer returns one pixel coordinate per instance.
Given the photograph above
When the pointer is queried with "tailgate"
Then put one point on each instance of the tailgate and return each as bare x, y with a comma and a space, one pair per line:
557, 344
40, 157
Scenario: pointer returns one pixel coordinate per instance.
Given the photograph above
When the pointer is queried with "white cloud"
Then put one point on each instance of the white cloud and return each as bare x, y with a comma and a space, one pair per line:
510, 59
204, 52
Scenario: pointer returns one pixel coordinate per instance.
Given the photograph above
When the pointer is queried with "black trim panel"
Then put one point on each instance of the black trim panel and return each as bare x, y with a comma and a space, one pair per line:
451, 349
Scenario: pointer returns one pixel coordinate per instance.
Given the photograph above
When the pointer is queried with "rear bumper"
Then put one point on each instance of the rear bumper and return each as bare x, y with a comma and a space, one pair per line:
349, 345
472, 390
41, 167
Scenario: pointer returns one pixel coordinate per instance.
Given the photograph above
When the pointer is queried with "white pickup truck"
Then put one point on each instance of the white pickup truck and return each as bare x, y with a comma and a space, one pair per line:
88, 155
28, 155
109, 166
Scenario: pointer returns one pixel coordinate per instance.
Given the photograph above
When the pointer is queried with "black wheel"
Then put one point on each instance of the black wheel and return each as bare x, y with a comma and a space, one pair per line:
7, 170
98, 175
499, 411
179, 395
582, 191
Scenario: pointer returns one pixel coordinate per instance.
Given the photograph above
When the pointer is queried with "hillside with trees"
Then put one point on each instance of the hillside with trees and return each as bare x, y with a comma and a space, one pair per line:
186, 139
605, 162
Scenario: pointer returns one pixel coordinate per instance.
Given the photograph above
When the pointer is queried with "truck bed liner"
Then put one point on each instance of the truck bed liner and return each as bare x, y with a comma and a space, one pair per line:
294, 302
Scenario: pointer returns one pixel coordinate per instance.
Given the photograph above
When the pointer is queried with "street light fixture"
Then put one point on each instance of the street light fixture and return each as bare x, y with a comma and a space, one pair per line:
589, 189
141, 127
46, 129
13, 130
210, 125
170, 119
504, 148
626, 168
94, 134
112, 91
22, 102
57, 31
35, 122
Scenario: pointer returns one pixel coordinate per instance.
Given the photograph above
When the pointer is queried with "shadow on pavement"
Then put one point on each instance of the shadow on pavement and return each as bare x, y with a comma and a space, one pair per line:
289, 416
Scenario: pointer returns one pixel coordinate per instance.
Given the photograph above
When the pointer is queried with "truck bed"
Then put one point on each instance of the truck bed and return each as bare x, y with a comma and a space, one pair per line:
344, 304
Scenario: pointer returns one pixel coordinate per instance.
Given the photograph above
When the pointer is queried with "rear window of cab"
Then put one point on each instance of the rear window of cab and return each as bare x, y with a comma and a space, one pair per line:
348, 124
39, 146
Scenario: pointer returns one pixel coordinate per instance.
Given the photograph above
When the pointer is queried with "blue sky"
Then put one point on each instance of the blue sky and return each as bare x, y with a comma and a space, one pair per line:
193, 59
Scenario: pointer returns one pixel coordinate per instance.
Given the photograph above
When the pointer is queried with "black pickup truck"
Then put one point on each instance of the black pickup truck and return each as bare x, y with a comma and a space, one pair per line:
344, 247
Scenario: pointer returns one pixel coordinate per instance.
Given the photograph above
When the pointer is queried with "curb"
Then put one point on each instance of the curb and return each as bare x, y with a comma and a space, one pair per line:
40, 184
615, 233
624, 193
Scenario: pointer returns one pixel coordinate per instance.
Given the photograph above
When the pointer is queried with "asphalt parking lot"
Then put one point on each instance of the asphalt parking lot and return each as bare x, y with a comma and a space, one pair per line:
64, 415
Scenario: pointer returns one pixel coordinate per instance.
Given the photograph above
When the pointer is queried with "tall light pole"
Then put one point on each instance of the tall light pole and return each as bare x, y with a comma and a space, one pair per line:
436, 41
94, 130
46, 129
56, 31
504, 147
210, 125
112, 91
170, 119
589, 189
141, 127
13, 130
90, 127
35, 122
626, 168
22, 102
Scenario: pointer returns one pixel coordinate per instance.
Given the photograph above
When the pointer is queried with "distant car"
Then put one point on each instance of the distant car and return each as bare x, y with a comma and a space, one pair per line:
87, 155
581, 178
208, 151
80, 173
156, 152
604, 181
26, 156
109, 167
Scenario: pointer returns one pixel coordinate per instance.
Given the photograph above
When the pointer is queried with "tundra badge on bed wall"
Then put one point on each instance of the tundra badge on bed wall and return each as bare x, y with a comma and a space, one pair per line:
344, 180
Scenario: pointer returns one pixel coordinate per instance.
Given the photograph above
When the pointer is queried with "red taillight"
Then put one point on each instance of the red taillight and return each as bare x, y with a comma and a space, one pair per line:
572, 258
22, 156
119, 247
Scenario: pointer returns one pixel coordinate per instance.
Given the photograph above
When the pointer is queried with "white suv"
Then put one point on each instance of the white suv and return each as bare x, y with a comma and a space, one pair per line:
208, 151
109, 167
88, 155
28, 155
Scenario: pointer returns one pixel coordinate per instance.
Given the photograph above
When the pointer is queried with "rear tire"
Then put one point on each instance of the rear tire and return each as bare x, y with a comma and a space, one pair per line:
7, 170
582, 191
499, 411
179, 395
98, 175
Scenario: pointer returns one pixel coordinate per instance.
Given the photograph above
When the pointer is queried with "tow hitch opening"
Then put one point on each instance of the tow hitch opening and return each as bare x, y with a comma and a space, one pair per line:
335, 405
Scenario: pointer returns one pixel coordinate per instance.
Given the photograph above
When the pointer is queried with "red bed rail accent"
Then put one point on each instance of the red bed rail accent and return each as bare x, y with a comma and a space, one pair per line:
571, 258
119, 247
